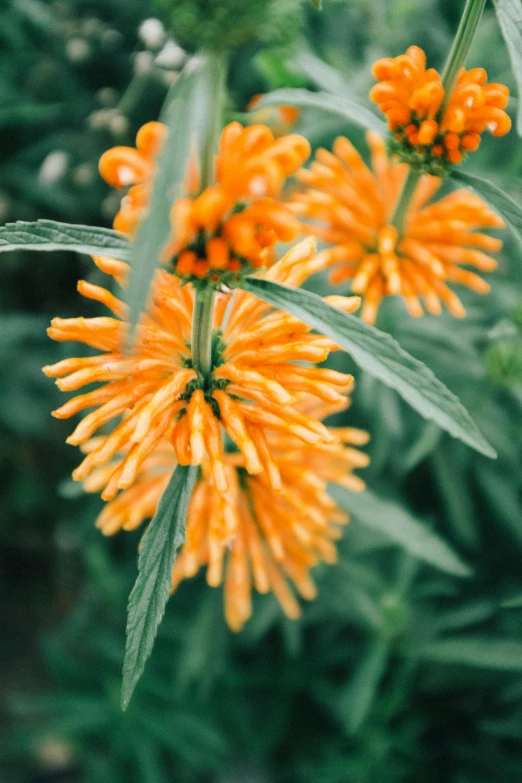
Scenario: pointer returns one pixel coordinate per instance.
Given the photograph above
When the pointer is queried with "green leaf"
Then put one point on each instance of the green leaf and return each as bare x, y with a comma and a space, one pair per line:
50, 236
380, 355
317, 4
321, 74
484, 653
506, 207
356, 701
187, 116
399, 526
509, 14
344, 108
149, 595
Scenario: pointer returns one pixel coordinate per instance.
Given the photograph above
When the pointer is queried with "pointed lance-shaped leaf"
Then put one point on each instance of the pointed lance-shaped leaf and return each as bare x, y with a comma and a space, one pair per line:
509, 14
347, 110
506, 207
396, 524
49, 235
380, 355
187, 116
482, 652
356, 701
147, 601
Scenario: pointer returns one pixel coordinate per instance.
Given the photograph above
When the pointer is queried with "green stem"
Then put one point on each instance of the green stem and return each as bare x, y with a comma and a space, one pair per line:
202, 331
407, 193
218, 65
201, 340
460, 49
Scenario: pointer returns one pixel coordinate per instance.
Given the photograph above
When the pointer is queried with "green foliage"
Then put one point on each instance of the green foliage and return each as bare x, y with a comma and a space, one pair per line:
347, 110
48, 235
398, 671
506, 207
206, 24
164, 536
378, 354
394, 522
187, 115
509, 13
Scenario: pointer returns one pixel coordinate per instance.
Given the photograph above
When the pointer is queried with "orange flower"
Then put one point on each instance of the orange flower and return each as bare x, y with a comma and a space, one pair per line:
234, 225
411, 97
351, 207
231, 226
279, 118
255, 382
250, 535
124, 166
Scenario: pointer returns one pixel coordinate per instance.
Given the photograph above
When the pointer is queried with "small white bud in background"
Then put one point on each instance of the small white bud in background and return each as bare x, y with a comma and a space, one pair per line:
169, 77
152, 33
92, 27
107, 97
53, 167
84, 174
78, 50
118, 124
111, 38
54, 754
99, 119
171, 56
143, 63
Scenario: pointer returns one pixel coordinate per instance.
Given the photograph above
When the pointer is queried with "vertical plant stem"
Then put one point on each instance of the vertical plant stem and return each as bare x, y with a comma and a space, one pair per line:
202, 331
218, 64
201, 341
460, 49
407, 193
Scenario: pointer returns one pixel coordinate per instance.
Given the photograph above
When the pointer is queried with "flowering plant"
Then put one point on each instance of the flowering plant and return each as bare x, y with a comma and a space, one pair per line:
208, 361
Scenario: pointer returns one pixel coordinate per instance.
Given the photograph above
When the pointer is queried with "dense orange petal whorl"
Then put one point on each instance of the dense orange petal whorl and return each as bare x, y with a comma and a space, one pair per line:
156, 394
412, 96
251, 536
233, 225
349, 206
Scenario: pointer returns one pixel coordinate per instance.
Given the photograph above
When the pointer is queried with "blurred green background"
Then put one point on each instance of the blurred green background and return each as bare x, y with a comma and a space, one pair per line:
405, 668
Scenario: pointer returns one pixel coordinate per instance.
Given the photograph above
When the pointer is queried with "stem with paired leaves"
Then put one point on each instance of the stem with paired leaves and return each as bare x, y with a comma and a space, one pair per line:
456, 59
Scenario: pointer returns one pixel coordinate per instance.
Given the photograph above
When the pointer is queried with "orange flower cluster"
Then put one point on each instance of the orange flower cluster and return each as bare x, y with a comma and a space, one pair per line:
411, 96
233, 225
254, 384
270, 467
250, 536
351, 208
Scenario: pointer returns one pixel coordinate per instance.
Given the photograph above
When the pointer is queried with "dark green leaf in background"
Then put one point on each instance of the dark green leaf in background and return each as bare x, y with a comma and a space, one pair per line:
481, 652
356, 701
509, 14
399, 526
380, 355
506, 207
49, 235
346, 109
149, 595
